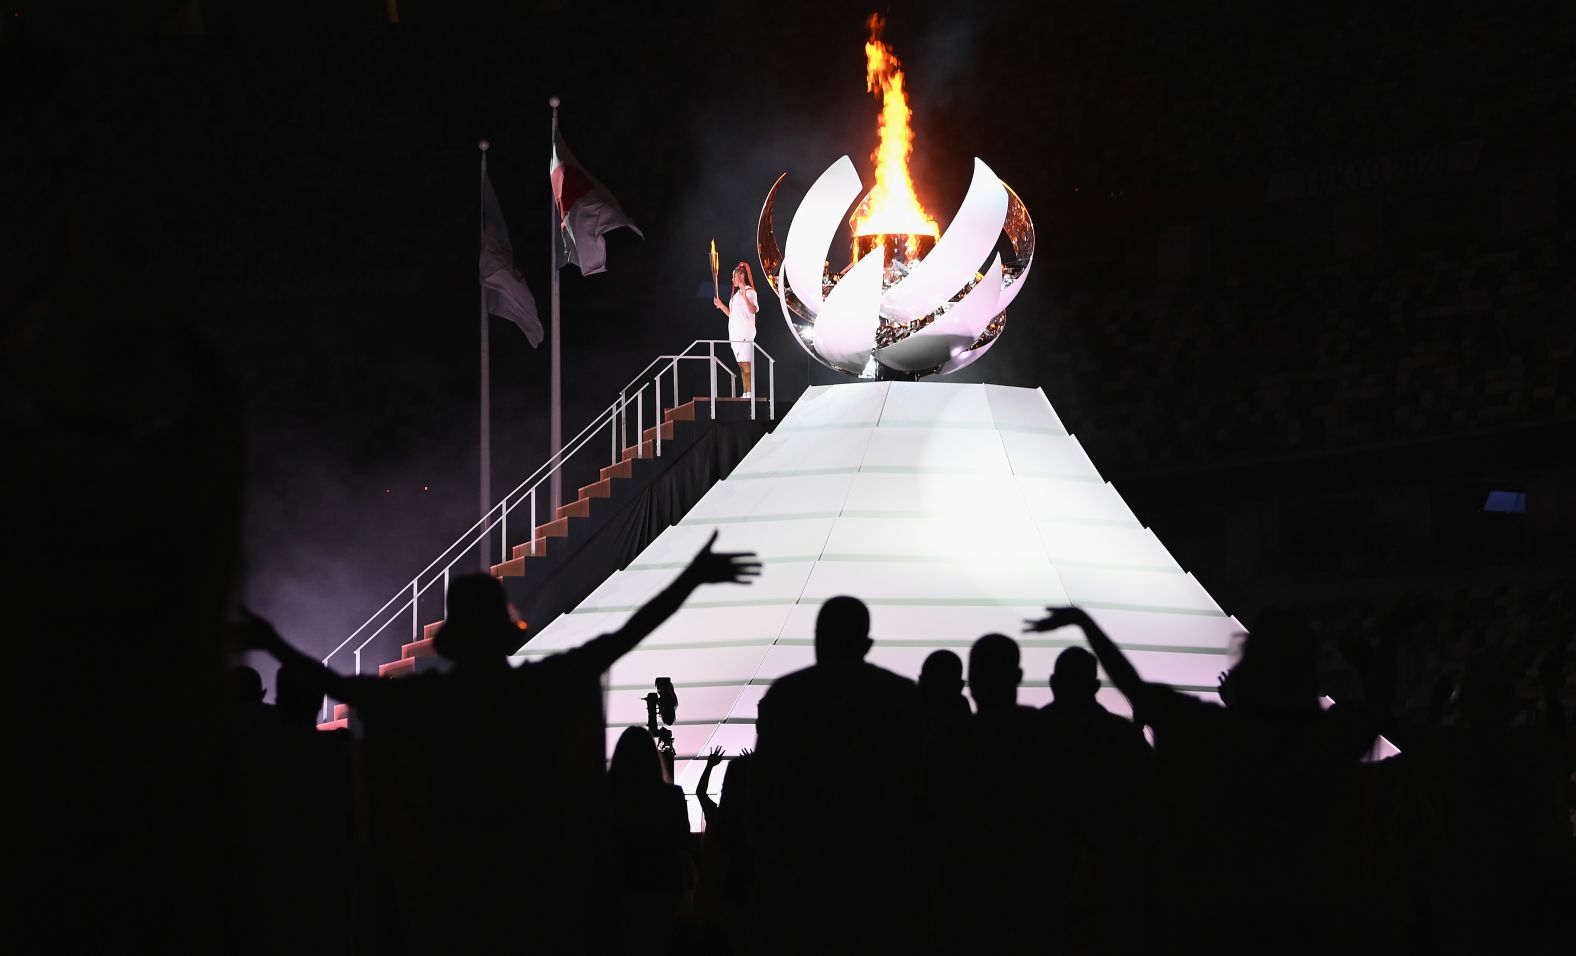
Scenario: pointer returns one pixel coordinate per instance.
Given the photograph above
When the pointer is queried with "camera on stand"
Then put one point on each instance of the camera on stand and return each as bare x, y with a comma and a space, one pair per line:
662, 707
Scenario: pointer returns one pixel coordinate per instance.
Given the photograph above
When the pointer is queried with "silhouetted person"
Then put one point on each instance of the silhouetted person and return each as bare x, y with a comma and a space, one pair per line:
1102, 770
1082, 726
833, 789
298, 696
455, 761
119, 423
297, 811
649, 825
1256, 797
941, 685
1495, 791
708, 806
999, 886
246, 688
251, 718
722, 896
994, 674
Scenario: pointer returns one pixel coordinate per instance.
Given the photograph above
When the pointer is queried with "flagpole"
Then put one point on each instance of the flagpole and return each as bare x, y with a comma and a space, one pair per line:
486, 378
555, 427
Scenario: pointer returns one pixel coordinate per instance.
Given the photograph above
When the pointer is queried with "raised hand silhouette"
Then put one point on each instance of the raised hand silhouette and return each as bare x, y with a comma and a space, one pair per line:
253, 632
708, 806
722, 567
1056, 618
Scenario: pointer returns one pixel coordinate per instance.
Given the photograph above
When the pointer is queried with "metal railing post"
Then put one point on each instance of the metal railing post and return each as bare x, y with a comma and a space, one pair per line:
358, 662
445, 594
503, 532
415, 610
658, 382
623, 424
533, 522
640, 423
711, 365
676, 400
755, 366
771, 388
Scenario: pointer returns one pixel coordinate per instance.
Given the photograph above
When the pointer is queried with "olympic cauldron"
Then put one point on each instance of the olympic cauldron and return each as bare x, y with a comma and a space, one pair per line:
907, 305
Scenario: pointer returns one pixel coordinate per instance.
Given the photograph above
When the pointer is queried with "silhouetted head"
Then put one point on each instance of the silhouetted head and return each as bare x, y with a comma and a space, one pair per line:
1486, 696
736, 785
636, 763
1075, 680
941, 678
477, 630
246, 687
994, 674
1277, 672
298, 693
842, 631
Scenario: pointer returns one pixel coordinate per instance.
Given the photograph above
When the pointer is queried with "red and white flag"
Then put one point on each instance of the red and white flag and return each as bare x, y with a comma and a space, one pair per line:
586, 211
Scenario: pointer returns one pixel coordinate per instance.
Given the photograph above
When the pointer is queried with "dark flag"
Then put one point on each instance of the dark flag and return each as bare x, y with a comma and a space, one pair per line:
503, 288
586, 210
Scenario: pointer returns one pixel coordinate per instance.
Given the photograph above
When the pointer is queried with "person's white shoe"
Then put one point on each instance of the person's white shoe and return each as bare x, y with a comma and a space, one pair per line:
747, 395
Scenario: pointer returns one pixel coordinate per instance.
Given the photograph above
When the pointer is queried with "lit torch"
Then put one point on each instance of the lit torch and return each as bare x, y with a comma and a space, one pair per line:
714, 290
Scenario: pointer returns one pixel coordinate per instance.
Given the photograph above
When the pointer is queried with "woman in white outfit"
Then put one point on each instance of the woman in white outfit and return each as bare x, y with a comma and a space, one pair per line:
740, 310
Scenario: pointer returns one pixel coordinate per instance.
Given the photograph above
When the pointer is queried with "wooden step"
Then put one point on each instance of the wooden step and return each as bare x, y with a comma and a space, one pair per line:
646, 449
553, 529
421, 648
431, 630
400, 668
524, 550
620, 470
650, 434
341, 724
341, 711
680, 413
512, 568
598, 489
579, 508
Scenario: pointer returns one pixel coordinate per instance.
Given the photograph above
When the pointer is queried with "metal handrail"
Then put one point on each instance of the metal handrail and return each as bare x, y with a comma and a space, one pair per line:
466, 537
615, 418
685, 352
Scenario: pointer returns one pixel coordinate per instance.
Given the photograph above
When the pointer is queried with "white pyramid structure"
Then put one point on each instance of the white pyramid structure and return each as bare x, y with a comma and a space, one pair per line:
952, 510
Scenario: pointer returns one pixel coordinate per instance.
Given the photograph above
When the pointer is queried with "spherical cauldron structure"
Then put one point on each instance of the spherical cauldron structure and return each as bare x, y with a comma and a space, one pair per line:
908, 305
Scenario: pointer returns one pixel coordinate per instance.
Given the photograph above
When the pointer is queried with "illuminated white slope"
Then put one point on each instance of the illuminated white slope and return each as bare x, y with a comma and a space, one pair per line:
951, 510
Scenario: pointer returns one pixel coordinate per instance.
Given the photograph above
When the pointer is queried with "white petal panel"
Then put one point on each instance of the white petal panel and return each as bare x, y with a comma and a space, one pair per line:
814, 226
959, 328
846, 328
956, 257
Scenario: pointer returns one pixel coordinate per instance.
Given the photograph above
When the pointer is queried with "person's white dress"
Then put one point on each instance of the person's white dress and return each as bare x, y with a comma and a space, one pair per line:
741, 322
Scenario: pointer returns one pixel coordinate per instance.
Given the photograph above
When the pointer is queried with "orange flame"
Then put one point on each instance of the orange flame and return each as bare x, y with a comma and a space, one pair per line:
891, 208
